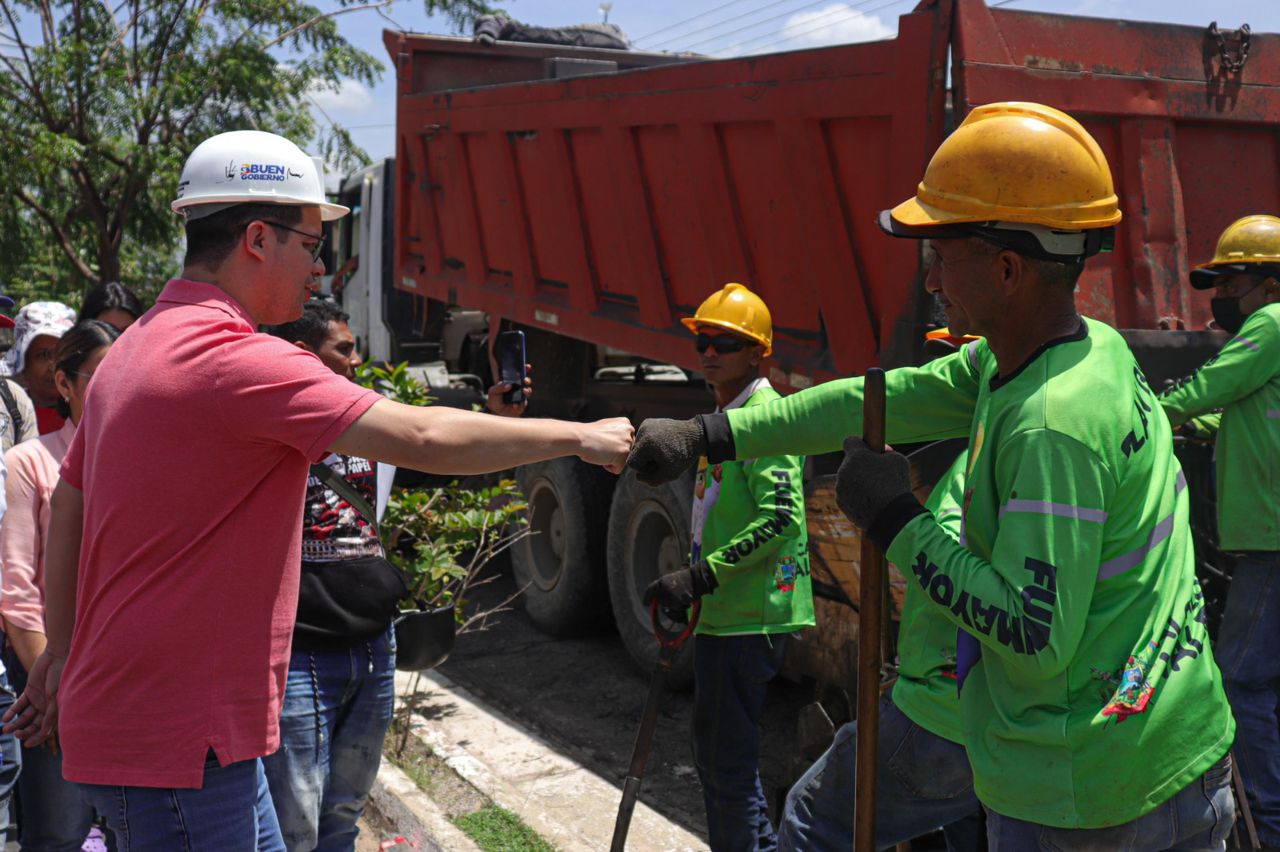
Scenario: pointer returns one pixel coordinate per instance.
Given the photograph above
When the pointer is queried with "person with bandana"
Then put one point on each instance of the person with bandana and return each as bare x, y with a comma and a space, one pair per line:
749, 563
1243, 381
36, 332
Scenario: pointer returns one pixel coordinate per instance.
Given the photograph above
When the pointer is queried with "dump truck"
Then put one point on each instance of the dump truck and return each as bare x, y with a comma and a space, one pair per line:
592, 198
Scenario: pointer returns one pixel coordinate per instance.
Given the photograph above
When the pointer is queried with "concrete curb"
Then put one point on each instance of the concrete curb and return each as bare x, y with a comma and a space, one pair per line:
565, 803
415, 816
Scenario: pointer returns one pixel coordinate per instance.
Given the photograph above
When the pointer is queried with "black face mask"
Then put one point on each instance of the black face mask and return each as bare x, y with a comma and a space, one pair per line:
1226, 313
1226, 310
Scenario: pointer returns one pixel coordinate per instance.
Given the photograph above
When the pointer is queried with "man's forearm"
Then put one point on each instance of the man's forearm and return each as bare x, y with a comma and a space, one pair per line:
437, 439
62, 566
924, 404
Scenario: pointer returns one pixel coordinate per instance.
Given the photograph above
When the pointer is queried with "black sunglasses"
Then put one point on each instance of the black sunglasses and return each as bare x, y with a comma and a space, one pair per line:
319, 238
725, 344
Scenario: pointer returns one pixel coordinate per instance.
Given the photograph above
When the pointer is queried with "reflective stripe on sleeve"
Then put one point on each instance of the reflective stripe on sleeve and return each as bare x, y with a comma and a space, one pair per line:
1244, 340
1061, 510
1125, 561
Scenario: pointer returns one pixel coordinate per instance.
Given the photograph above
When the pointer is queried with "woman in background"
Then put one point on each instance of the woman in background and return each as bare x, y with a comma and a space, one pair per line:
51, 814
112, 303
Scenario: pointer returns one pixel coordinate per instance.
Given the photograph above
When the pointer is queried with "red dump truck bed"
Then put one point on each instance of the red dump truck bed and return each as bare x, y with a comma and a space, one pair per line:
604, 208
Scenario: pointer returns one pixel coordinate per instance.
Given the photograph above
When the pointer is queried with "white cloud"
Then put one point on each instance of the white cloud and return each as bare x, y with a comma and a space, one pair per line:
838, 23
351, 97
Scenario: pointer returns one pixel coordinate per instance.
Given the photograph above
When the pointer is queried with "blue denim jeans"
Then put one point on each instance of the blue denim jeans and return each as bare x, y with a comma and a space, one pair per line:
730, 676
51, 815
923, 782
231, 812
10, 756
1197, 819
337, 707
1248, 652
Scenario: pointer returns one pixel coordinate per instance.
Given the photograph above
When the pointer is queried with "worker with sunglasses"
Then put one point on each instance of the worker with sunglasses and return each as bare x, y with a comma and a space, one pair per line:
749, 564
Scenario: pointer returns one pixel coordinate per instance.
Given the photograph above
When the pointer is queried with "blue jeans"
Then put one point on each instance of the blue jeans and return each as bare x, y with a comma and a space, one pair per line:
10, 756
1248, 652
730, 676
1197, 819
337, 707
231, 812
923, 782
52, 816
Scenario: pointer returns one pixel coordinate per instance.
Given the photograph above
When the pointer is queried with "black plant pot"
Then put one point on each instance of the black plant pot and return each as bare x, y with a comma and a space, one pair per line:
424, 638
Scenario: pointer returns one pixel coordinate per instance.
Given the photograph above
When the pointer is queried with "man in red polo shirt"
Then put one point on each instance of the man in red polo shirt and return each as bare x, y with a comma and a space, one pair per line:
174, 542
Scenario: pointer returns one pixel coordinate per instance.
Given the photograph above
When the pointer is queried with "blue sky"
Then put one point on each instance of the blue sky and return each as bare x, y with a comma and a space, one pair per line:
724, 28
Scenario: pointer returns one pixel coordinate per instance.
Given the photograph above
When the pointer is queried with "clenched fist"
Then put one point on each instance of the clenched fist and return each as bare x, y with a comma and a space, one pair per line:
665, 449
607, 443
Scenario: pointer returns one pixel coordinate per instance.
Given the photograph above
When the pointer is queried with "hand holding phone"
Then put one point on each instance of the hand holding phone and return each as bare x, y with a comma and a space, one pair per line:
510, 355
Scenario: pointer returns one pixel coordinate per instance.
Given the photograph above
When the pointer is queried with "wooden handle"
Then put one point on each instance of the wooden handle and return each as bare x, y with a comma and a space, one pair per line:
871, 615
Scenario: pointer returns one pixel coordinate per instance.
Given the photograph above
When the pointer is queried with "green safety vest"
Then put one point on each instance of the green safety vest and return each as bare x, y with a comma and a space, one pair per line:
755, 540
1096, 697
1243, 379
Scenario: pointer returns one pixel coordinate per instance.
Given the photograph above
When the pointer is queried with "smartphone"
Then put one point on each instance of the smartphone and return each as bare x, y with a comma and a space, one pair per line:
509, 353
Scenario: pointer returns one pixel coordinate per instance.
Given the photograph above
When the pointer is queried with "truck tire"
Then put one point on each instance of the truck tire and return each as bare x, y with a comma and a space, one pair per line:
648, 535
561, 565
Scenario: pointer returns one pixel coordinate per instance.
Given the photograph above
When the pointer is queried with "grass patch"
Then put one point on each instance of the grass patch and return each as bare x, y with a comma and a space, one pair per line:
496, 829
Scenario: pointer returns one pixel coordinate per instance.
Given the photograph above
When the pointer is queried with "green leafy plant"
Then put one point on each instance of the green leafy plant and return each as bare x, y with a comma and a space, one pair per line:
442, 538
394, 382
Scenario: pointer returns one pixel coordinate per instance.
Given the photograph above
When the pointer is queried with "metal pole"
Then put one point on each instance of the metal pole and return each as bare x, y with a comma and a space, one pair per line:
870, 619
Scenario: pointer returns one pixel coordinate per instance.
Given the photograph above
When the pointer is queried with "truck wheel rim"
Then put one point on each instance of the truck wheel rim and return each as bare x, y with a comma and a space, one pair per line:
547, 542
656, 549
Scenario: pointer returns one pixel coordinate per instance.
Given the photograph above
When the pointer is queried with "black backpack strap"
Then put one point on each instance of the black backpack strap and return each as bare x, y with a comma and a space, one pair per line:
336, 483
11, 403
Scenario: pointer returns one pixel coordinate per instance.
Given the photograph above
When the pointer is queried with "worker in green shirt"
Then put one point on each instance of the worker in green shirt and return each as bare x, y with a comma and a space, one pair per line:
749, 564
1093, 714
1243, 380
923, 779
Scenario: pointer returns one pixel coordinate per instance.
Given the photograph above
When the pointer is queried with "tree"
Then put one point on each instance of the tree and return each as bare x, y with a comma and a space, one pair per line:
101, 102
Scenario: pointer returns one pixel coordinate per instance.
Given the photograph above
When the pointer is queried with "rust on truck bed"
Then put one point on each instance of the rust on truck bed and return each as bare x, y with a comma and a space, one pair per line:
605, 207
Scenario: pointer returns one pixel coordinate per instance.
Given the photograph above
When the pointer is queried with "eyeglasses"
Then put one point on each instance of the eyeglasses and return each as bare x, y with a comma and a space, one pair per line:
85, 376
319, 238
725, 344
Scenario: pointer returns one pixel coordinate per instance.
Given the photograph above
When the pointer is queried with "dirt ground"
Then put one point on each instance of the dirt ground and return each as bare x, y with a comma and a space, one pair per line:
586, 696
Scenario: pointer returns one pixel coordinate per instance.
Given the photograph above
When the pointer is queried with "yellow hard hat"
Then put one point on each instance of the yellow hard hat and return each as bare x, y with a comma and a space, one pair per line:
1014, 168
735, 308
1251, 240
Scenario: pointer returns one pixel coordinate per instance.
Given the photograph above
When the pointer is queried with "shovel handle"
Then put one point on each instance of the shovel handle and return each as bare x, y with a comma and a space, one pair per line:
870, 618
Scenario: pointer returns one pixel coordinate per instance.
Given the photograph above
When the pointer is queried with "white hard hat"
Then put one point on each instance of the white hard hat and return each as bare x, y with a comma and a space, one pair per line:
251, 167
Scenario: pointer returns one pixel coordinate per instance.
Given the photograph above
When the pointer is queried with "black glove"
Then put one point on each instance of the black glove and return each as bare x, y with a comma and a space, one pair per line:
874, 490
664, 449
677, 591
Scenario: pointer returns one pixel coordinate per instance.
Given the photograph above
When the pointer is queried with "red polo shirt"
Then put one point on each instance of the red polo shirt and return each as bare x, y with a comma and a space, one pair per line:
192, 456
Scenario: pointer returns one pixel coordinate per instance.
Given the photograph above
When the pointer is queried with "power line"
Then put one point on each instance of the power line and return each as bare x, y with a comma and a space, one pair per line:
686, 20
788, 13
718, 24
832, 16
851, 12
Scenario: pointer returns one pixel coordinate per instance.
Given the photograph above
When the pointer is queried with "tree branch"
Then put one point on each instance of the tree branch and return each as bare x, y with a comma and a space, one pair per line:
64, 242
306, 25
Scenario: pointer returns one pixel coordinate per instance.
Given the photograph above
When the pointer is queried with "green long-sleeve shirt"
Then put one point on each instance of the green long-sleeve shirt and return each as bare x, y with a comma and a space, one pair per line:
1096, 697
1243, 379
926, 687
755, 540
